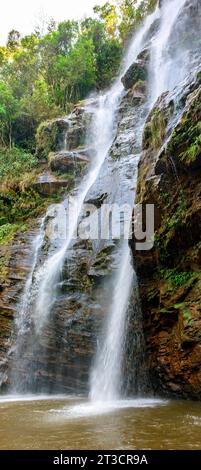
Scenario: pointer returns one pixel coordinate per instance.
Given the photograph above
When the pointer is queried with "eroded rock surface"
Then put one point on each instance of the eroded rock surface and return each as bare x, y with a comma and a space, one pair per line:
169, 274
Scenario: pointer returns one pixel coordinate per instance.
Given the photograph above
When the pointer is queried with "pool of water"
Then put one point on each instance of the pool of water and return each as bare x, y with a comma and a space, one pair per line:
73, 423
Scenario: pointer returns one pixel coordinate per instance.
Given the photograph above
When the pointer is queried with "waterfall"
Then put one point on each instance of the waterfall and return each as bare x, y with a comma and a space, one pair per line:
49, 274
106, 376
41, 289
161, 76
23, 317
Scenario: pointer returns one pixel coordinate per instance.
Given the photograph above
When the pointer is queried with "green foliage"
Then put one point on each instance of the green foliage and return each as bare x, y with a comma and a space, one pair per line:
15, 163
8, 111
185, 141
42, 75
110, 16
178, 217
176, 278
6, 232
132, 15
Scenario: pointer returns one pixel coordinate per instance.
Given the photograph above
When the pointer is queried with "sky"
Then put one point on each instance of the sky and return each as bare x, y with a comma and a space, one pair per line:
24, 15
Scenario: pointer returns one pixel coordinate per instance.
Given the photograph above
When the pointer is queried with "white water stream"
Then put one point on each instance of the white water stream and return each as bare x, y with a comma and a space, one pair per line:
107, 370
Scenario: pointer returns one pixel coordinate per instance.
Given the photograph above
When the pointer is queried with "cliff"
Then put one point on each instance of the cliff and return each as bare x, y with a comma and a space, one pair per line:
170, 274
166, 154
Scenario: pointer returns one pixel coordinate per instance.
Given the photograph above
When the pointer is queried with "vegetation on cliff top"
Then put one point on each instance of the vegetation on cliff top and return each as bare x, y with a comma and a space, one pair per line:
42, 75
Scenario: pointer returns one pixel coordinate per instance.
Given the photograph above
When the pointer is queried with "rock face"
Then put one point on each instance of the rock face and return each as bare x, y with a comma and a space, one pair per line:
50, 137
15, 264
136, 72
48, 185
68, 162
68, 133
169, 274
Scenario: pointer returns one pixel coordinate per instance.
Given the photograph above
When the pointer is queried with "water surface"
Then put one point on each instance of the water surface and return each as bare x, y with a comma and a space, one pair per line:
69, 423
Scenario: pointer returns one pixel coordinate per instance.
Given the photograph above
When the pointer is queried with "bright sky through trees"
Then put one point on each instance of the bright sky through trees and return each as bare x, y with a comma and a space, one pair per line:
24, 15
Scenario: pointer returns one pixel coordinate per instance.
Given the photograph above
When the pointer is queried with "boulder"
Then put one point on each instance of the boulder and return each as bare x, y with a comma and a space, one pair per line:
50, 136
47, 184
63, 133
137, 71
68, 162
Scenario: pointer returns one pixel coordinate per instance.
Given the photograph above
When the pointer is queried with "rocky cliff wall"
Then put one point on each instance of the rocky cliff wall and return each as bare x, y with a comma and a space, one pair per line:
170, 178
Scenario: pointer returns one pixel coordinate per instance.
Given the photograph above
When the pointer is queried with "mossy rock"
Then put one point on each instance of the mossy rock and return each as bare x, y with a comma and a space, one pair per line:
50, 137
185, 142
155, 129
137, 71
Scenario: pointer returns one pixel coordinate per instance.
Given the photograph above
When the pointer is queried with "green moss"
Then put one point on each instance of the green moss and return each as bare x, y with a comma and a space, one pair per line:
140, 87
185, 142
177, 218
193, 151
198, 78
7, 232
178, 279
155, 130
49, 137
158, 127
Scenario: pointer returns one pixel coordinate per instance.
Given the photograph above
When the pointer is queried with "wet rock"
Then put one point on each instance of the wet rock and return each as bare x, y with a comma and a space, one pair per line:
50, 136
137, 71
47, 184
15, 264
68, 162
169, 274
68, 133
98, 201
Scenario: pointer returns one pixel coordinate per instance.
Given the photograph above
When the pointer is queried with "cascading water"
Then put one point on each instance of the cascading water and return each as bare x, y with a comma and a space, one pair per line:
48, 275
41, 290
106, 377
41, 294
161, 76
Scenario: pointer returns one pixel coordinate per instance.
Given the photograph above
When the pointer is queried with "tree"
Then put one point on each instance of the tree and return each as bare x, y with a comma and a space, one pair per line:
132, 14
8, 112
107, 50
109, 14
75, 73
13, 41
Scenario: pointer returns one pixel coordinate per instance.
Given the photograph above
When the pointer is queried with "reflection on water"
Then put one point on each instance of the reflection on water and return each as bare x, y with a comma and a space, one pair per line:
69, 423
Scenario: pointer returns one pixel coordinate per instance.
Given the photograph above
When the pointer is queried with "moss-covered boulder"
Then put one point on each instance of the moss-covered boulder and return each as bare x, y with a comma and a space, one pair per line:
64, 134
68, 162
137, 71
50, 136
